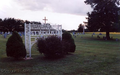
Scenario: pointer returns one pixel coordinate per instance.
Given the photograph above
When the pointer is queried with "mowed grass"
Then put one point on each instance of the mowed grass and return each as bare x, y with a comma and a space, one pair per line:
93, 56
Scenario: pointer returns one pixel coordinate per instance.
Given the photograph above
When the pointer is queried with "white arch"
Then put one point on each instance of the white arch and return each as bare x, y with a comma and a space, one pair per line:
38, 31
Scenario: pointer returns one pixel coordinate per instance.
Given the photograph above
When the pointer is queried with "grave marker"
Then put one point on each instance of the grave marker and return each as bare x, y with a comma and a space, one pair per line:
5, 35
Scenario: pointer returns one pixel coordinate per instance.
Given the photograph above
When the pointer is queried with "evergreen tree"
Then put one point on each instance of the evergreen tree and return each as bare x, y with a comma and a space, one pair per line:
69, 42
15, 47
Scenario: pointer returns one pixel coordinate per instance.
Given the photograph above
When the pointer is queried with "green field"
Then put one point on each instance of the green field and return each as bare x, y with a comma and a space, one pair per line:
93, 56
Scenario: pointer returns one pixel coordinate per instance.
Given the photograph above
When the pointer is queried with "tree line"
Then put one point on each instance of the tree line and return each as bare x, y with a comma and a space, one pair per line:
12, 24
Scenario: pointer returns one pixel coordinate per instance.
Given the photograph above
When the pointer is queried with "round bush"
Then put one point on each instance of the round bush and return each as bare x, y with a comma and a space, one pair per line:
15, 47
69, 42
51, 46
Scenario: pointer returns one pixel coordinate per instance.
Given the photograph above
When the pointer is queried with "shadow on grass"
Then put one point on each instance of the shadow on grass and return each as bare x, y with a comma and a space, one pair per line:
43, 58
9, 59
36, 58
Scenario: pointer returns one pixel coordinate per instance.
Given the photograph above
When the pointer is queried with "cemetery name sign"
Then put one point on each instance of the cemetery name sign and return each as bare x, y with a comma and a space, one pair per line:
39, 31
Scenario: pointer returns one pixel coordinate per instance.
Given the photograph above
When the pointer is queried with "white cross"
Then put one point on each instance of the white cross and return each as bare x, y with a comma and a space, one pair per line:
45, 20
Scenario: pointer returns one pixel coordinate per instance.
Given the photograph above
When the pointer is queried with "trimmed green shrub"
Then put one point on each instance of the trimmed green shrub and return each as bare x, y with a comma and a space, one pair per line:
15, 47
69, 42
51, 46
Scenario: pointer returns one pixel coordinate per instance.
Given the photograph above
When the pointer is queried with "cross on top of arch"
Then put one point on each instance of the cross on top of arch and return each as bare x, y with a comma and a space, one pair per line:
45, 20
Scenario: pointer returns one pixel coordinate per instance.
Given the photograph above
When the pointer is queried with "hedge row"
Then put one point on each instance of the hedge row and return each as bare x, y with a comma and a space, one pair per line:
50, 47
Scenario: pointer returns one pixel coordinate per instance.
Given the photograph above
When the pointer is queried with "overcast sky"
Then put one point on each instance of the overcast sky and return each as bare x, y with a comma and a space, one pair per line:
68, 13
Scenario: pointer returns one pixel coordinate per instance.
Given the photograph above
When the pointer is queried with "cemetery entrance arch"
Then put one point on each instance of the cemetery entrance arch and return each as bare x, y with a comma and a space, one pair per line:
35, 31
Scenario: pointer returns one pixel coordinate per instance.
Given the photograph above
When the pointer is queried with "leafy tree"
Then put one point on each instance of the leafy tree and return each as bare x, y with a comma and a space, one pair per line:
15, 47
10, 24
19, 25
104, 15
80, 28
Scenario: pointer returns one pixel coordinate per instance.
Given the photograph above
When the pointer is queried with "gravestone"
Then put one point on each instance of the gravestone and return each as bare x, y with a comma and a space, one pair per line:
116, 39
8, 33
5, 35
100, 33
73, 33
98, 36
93, 34
20, 34
2, 32
104, 38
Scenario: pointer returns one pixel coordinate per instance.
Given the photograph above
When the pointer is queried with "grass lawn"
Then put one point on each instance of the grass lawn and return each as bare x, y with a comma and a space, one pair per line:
93, 56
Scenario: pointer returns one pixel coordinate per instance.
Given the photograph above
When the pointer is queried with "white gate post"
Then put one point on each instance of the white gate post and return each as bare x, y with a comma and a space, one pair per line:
29, 40
25, 35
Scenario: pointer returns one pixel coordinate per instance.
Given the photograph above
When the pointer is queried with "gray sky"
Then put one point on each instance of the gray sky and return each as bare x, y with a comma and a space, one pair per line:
68, 13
